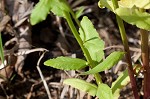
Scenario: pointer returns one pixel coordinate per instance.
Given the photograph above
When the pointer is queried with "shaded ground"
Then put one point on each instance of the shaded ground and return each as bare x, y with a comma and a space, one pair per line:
24, 79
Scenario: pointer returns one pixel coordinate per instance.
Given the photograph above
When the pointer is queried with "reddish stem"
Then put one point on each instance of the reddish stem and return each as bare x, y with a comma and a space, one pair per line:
126, 48
145, 59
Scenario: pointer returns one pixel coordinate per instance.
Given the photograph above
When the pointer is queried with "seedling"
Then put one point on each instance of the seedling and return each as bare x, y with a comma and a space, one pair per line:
92, 45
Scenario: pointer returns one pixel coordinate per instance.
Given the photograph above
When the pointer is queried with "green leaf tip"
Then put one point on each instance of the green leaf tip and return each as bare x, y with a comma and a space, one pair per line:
79, 12
106, 3
104, 92
118, 84
82, 85
43, 8
40, 11
110, 61
91, 39
66, 63
135, 17
59, 7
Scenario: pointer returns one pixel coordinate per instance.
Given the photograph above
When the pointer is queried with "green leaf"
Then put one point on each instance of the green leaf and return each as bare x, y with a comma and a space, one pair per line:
121, 81
135, 17
95, 47
59, 6
66, 63
91, 39
43, 7
144, 4
1, 50
79, 12
40, 11
126, 3
129, 13
110, 61
104, 92
82, 85
89, 29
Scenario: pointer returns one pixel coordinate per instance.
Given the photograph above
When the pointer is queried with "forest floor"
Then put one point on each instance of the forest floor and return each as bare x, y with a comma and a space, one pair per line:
24, 45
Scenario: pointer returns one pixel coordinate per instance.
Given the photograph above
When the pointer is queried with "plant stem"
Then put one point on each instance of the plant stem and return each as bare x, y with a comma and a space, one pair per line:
79, 40
78, 23
76, 20
145, 59
1, 50
126, 48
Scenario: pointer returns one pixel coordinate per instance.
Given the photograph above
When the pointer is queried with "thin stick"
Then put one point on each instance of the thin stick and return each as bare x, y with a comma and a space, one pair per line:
42, 77
121, 47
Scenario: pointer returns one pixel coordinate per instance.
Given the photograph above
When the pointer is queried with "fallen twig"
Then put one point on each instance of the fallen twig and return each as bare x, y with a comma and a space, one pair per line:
42, 77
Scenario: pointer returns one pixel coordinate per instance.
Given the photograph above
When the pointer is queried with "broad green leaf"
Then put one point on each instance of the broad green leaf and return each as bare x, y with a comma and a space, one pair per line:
91, 39
1, 50
82, 85
144, 4
59, 6
66, 63
104, 92
40, 11
121, 81
79, 12
110, 61
135, 17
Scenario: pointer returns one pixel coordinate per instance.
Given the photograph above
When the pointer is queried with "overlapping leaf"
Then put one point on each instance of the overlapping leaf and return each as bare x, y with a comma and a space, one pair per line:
104, 92
129, 14
110, 61
135, 17
59, 6
66, 63
91, 39
43, 7
143, 4
82, 85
